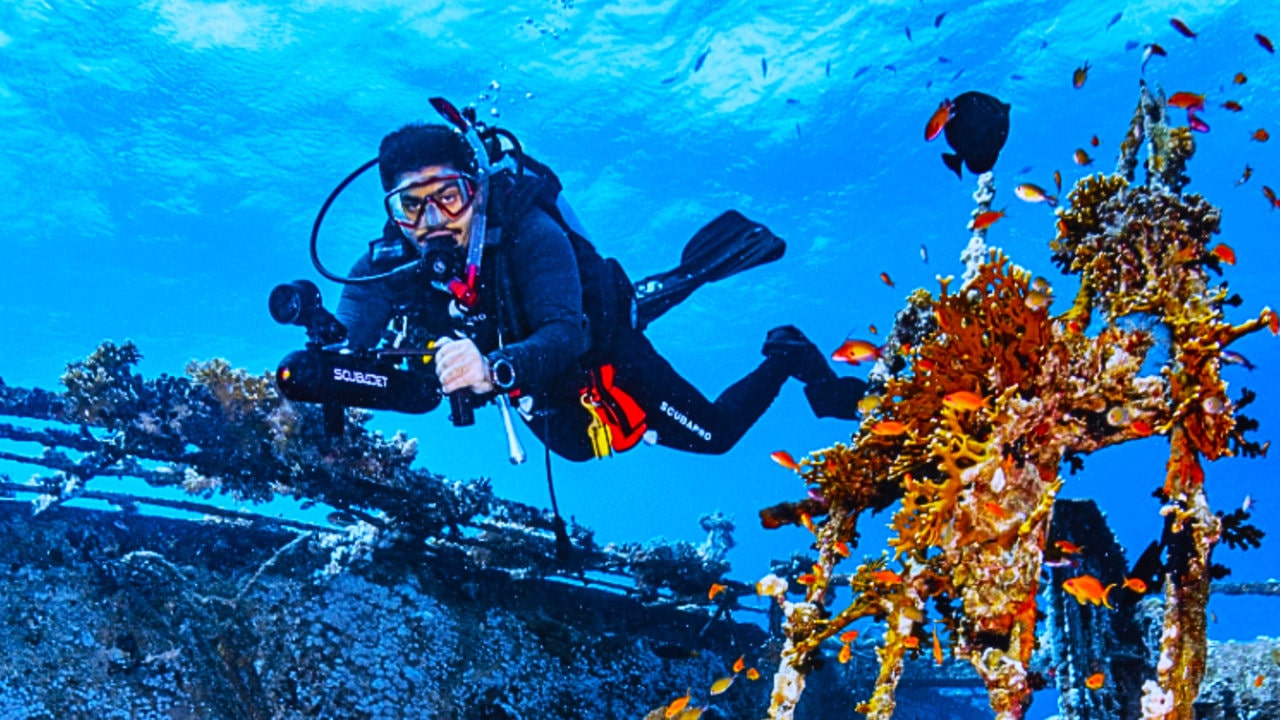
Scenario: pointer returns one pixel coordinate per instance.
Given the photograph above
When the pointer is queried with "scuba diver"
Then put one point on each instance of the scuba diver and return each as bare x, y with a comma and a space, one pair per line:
482, 262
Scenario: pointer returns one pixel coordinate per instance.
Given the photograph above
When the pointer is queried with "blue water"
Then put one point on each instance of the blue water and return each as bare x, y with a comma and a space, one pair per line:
162, 163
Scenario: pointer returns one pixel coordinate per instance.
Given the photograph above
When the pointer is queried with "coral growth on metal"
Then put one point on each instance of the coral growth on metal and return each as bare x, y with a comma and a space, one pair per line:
992, 393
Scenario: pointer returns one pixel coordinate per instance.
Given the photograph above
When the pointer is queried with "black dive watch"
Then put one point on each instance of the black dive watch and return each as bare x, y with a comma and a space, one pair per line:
503, 372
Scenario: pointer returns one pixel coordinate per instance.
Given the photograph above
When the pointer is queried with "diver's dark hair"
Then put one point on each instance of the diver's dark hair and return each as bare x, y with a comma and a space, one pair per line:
417, 145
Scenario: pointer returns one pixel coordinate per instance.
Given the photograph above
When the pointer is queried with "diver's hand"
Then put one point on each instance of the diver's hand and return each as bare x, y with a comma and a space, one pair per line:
459, 365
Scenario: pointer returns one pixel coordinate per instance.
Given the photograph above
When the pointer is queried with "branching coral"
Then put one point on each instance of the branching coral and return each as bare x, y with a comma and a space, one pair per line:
996, 393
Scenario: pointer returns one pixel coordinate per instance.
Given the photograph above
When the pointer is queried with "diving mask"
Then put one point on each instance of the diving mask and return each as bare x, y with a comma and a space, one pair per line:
427, 202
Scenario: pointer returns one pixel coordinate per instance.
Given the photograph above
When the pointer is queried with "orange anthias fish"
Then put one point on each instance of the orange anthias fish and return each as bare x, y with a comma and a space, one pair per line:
753, 674
1261, 135
1068, 548
1086, 588
938, 120
937, 648
857, 351
987, 219
1080, 75
1141, 428
888, 577
995, 509
846, 653
677, 705
964, 400
888, 428
1135, 584
1240, 79
848, 636
1095, 681
1265, 42
1057, 184
884, 278
1094, 141
1182, 28
1187, 101
1224, 253
1233, 106
783, 458
740, 663
842, 548
715, 589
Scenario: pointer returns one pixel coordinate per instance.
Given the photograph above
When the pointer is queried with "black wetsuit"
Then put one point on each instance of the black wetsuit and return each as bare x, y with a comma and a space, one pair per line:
531, 291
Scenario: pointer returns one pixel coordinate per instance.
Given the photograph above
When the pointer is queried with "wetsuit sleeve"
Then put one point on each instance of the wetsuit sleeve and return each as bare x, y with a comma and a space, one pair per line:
548, 298
364, 309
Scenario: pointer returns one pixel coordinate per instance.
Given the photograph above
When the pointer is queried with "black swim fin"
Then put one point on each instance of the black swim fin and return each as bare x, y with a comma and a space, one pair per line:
723, 247
955, 163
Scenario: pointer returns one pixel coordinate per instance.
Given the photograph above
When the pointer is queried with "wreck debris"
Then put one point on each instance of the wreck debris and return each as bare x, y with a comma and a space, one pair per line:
974, 476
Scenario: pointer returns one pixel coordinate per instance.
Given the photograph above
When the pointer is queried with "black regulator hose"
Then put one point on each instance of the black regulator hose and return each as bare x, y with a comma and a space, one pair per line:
315, 235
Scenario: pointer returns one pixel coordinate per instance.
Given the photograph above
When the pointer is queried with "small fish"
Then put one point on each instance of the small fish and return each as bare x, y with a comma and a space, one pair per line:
937, 21
1135, 584
1061, 563
1086, 588
938, 120
1273, 324
887, 577
858, 73
716, 589
1119, 416
848, 636
807, 522
783, 458
1141, 428
697, 65
1271, 196
1244, 177
1196, 123
1038, 300
872, 329
1067, 547
964, 400
1095, 681
1265, 42
957, 75
987, 219
722, 684
911, 641
1239, 79
677, 705
693, 713
1187, 100
1057, 183
924, 254
937, 648
1081, 157
1261, 135
868, 404
842, 548
670, 79
1080, 75
1257, 682
1182, 28
1231, 357
740, 663
857, 351
888, 428
995, 509
944, 60
1032, 193
764, 67
753, 674
1016, 76
828, 68
893, 69
1130, 44
1232, 106
1042, 285
1223, 252
1114, 19
884, 278
807, 579
1247, 505
1151, 51
1094, 141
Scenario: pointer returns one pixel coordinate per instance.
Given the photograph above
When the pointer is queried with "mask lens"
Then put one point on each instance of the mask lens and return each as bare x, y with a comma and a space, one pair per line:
450, 196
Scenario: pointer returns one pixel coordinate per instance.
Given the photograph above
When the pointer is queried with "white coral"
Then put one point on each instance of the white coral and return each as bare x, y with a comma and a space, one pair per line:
1157, 703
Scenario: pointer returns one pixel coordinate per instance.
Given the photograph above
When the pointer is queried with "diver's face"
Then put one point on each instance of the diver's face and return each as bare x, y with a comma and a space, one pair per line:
434, 204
